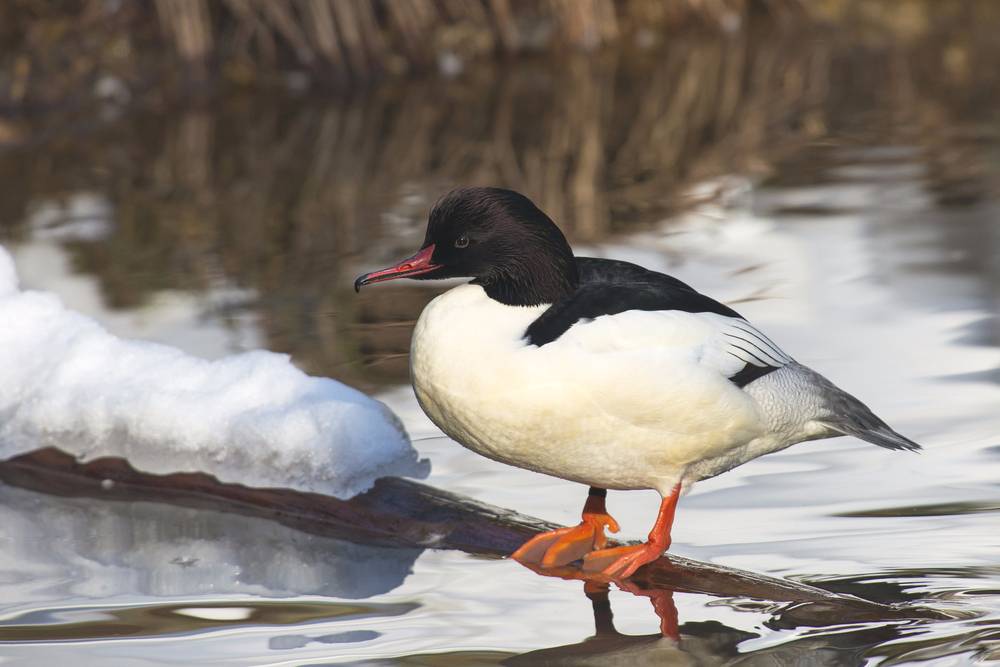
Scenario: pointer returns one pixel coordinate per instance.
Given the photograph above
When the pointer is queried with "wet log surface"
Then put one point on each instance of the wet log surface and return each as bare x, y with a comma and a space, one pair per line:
405, 513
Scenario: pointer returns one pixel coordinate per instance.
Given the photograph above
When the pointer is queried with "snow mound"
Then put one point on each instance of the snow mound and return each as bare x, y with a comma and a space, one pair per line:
251, 419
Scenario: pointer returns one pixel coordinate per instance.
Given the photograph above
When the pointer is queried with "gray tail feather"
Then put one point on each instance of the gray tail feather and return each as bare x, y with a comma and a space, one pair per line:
852, 417
881, 435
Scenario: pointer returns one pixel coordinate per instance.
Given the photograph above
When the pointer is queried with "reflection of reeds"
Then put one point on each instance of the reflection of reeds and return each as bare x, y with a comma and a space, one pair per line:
289, 197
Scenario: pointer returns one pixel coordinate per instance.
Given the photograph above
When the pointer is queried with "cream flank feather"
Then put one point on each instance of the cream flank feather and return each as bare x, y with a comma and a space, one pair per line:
638, 400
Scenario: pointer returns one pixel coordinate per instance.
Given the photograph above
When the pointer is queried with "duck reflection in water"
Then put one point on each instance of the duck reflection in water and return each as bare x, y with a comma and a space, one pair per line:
608, 646
709, 642
597, 591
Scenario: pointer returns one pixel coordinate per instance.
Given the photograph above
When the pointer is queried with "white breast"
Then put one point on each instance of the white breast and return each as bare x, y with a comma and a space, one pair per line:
626, 401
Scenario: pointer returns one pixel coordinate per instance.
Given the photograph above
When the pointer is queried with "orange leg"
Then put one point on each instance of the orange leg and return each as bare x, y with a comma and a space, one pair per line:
565, 545
622, 562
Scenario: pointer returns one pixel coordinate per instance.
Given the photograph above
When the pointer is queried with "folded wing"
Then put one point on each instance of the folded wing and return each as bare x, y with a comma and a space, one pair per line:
722, 338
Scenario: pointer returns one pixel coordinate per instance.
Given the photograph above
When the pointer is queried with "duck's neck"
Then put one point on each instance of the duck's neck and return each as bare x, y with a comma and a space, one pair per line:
532, 283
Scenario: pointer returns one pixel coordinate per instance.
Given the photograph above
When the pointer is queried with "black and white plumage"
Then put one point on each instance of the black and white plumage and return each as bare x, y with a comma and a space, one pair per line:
609, 287
599, 371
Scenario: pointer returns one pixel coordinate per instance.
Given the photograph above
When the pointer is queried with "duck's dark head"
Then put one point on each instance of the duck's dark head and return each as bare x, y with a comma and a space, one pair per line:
499, 238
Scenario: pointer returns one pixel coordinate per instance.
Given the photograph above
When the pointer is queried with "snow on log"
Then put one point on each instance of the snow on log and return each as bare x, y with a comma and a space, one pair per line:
252, 418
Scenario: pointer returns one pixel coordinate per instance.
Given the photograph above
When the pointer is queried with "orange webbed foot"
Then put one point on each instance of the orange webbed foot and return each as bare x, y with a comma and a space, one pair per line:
621, 562
565, 545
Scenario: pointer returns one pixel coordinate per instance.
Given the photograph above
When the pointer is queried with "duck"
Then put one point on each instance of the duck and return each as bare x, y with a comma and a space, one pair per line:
600, 372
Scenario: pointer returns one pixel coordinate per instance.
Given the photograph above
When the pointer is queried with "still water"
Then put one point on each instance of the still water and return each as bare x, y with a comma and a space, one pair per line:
840, 190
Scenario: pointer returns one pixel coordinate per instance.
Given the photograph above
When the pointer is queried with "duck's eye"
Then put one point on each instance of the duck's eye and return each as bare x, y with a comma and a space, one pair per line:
462, 242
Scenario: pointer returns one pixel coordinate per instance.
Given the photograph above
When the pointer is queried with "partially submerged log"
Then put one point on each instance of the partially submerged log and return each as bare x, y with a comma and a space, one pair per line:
405, 513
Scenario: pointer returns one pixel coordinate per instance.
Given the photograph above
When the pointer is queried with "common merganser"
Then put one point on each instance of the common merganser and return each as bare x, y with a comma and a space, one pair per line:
600, 372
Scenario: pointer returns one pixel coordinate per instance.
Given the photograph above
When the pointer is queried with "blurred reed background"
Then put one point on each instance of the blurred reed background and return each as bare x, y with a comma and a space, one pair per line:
278, 148
54, 50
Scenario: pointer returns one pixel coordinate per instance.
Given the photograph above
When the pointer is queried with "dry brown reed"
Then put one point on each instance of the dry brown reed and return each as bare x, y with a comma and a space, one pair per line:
58, 53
